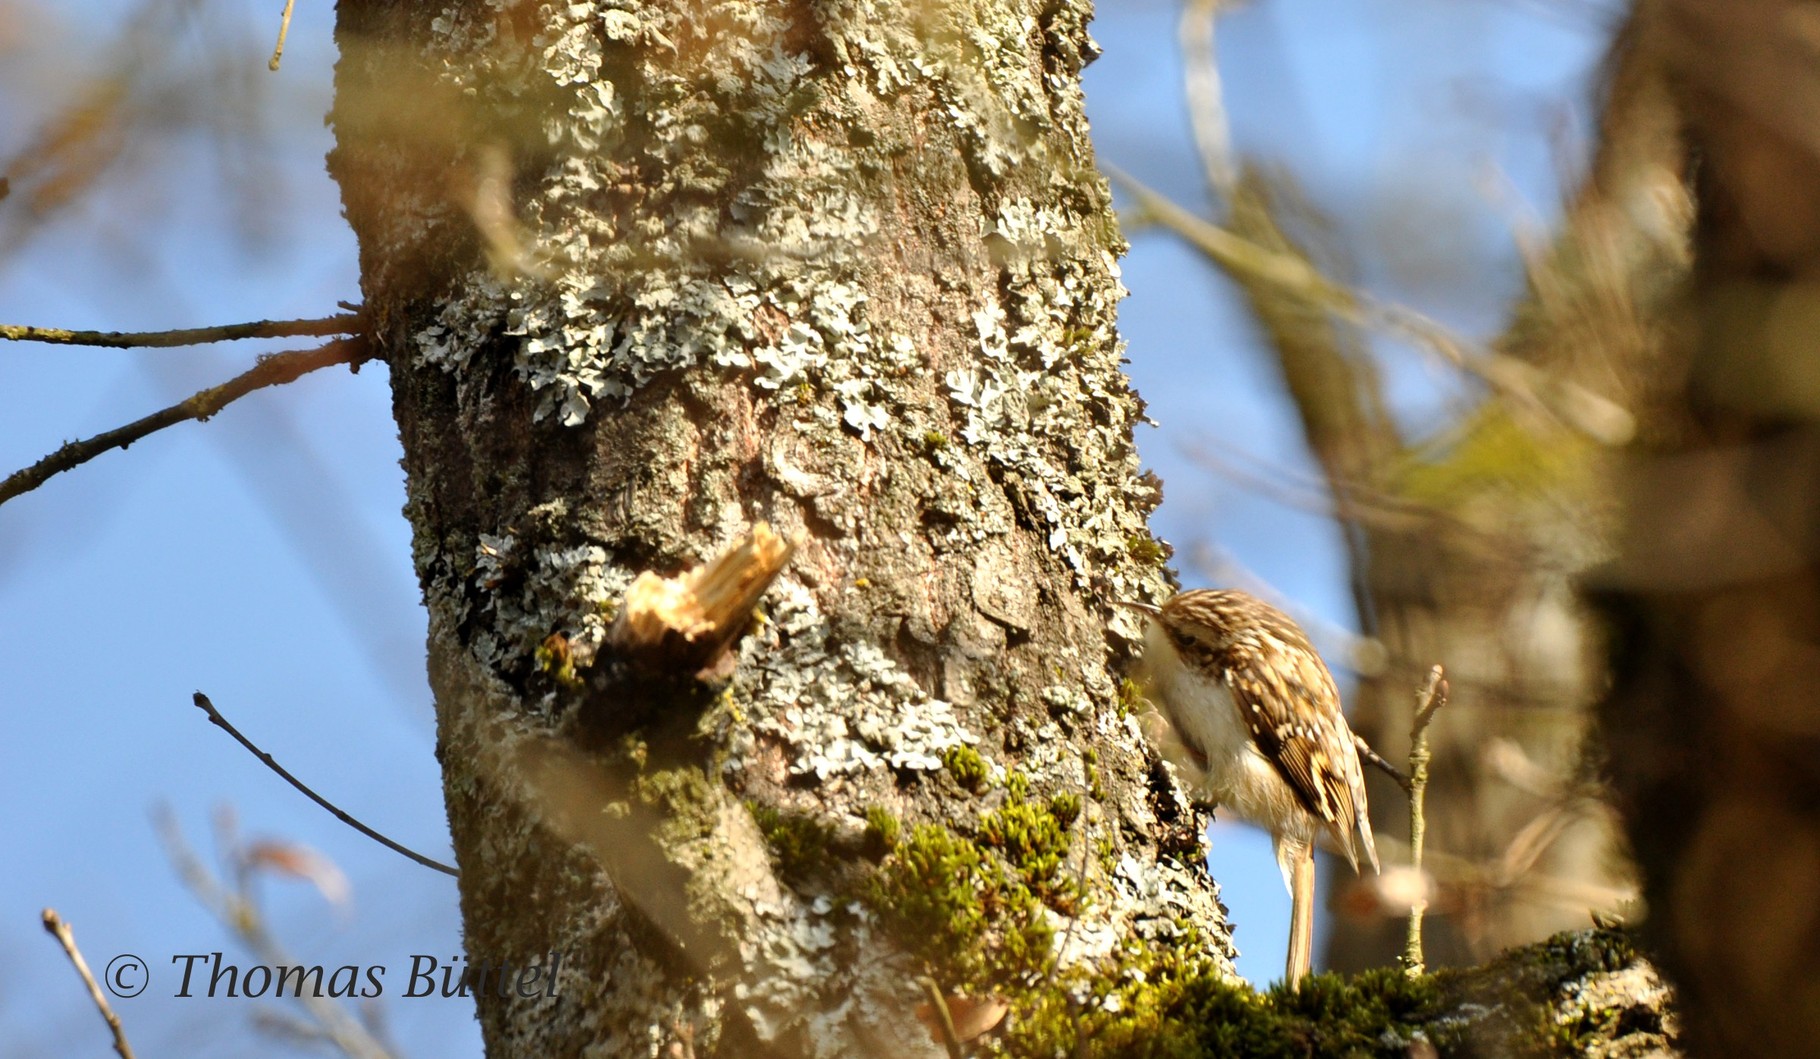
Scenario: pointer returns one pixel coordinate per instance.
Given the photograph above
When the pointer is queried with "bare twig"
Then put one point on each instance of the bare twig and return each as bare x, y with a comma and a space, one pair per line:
1372, 757
284, 30
57, 928
215, 717
274, 370
345, 324
1292, 489
1357, 502
1433, 697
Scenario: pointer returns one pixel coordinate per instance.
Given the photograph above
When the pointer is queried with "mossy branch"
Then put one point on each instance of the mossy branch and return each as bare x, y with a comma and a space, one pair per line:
1581, 993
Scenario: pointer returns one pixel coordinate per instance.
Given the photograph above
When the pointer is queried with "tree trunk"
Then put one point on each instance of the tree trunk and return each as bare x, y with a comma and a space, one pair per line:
649, 274
1517, 502
1464, 545
1714, 719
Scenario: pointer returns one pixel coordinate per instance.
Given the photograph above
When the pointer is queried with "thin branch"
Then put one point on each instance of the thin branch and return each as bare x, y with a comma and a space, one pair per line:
1433, 697
346, 324
215, 717
57, 928
1372, 757
273, 370
1351, 502
284, 30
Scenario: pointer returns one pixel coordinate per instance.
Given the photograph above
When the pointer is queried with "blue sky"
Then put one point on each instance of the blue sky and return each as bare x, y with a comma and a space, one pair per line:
262, 557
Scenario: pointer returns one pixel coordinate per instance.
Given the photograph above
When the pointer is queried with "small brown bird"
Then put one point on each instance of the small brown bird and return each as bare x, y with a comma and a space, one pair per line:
1254, 722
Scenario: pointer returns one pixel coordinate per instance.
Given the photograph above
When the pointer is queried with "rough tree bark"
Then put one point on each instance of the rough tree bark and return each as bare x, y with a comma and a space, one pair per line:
647, 274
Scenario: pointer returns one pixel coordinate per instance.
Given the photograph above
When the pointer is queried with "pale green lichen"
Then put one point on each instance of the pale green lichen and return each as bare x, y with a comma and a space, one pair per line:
760, 268
841, 707
528, 592
616, 298
1048, 342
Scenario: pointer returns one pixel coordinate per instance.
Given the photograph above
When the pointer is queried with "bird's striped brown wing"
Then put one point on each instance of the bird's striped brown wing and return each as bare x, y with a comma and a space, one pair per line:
1287, 699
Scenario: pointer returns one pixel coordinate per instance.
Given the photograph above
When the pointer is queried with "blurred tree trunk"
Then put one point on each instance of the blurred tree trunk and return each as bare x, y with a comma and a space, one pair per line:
1714, 720
1464, 546
647, 274
1474, 564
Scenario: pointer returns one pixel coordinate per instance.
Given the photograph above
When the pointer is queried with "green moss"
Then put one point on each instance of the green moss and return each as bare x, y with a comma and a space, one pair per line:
1174, 1002
688, 804
934, 440
798, 842
967, 767
1143, 548
1078, 338
1032, 838
934, 892
556, 660
973, 910
687, 799
1131, 698
1107, 851
976, 911
882, 831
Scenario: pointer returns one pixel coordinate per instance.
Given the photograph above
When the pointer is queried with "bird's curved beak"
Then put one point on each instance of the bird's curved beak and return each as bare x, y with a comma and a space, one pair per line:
1145, 608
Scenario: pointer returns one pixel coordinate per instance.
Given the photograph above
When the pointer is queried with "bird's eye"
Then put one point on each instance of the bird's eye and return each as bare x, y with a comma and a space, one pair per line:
1180, 638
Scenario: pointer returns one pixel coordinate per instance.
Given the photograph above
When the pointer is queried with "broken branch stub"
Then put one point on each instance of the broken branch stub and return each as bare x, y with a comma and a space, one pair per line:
689, 622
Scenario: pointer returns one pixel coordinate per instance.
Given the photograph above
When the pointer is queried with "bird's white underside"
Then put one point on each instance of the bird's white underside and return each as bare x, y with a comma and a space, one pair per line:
1201, 714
